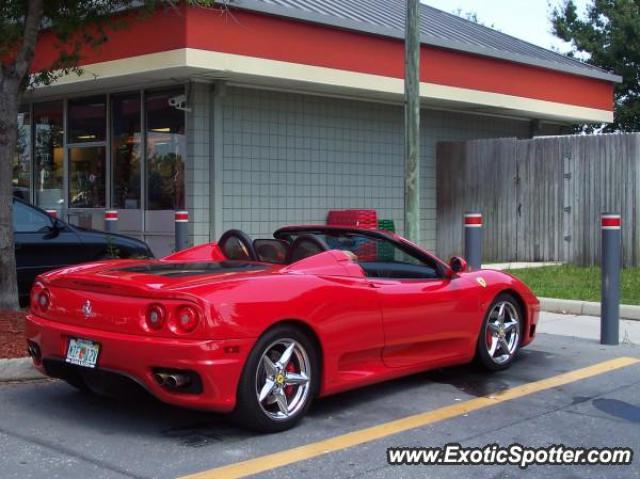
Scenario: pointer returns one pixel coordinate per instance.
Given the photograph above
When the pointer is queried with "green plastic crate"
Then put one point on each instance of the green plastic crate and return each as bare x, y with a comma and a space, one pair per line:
387, 225
385, 251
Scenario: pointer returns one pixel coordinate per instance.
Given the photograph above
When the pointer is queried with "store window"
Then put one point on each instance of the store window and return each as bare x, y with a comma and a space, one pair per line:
86, 177
48, 154
166, 146
22, 157
87, 119
126, 150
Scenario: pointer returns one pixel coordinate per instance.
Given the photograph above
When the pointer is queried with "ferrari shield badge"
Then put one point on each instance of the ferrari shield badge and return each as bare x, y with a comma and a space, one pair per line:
481, 282
86, 309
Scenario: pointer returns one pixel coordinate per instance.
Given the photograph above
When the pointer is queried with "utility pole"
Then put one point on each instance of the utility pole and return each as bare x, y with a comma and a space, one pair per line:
412, 122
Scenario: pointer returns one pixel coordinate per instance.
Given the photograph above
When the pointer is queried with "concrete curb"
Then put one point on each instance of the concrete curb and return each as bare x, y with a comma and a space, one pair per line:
18, 369
585, 308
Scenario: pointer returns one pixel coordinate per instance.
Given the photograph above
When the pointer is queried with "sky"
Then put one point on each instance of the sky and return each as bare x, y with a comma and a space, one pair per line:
525, 19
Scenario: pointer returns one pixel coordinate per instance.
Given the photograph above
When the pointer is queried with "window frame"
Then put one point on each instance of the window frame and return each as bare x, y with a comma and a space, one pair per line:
111, 165
28, 109
184, 157
106, 118
32, 108
86, 144
64, 208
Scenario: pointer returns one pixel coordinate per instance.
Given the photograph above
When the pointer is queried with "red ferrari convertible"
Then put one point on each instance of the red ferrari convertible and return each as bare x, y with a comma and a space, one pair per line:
259, 328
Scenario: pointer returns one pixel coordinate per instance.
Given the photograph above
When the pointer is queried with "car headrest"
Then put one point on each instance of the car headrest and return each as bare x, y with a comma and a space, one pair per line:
237, 245
271, 250
305, 246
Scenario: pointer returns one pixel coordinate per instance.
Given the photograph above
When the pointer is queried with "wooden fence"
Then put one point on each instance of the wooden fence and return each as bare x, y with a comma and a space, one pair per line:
541, 198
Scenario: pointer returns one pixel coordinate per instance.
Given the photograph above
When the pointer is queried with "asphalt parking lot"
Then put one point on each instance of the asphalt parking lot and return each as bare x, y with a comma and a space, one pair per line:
47, 429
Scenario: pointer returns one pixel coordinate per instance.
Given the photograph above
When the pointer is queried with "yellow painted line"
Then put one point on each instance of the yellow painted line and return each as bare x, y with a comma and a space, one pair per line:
355, 438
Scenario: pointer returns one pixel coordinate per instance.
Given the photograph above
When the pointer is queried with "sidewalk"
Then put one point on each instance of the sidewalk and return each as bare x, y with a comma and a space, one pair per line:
18, 369
587, 327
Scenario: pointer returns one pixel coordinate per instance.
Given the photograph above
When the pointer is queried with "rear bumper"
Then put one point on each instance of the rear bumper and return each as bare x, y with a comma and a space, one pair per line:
218, 363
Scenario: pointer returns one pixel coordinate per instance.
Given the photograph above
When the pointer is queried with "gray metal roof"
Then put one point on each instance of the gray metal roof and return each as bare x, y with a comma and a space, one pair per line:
438, 28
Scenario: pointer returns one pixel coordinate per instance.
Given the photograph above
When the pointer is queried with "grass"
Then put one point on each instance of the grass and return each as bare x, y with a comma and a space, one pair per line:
575, 282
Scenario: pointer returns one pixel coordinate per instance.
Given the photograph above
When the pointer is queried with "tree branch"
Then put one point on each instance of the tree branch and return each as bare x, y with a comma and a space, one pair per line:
29, 39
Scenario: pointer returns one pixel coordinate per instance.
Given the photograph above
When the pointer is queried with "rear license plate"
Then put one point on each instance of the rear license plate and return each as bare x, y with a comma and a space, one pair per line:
83, 352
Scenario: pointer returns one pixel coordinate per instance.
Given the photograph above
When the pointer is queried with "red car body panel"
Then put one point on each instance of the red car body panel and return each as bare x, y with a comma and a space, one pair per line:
367, 329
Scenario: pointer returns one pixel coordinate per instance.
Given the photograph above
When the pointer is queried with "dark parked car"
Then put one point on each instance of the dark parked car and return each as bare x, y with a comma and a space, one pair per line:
44, 243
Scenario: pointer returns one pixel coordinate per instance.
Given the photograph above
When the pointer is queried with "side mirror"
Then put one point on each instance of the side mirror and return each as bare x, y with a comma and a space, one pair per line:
56, 227
458, 264
58, 224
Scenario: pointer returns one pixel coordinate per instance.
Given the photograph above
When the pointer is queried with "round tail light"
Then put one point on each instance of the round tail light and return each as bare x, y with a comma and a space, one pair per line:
43, 300
186, 319
34, 296
155, 316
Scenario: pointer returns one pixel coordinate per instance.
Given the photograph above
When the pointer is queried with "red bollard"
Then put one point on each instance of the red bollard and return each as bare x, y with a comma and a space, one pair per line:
473, 239
111, 221
610, 289
182, 221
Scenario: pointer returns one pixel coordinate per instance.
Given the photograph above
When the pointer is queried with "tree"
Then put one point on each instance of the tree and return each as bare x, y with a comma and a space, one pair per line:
607, 37
75, 24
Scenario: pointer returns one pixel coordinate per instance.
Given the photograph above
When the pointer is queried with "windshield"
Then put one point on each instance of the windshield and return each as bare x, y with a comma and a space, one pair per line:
378, 255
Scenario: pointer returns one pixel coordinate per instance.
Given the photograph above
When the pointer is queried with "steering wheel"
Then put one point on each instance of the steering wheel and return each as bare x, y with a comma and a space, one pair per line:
236, 245
305, 246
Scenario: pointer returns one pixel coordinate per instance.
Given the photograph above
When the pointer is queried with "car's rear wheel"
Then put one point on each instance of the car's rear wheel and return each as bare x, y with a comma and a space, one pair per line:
499, 338
279, 380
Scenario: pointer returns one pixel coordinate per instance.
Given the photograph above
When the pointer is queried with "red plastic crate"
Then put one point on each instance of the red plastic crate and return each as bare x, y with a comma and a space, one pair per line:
367, 219
367, 251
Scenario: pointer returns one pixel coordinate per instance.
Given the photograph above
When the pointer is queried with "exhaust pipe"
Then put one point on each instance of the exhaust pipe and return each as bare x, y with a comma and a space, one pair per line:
173, 380
34, 351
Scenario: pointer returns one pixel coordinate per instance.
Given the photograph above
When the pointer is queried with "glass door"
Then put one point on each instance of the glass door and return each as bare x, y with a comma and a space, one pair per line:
87, 155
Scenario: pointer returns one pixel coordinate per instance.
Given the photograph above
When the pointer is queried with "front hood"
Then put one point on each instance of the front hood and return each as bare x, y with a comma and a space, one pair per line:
144, 278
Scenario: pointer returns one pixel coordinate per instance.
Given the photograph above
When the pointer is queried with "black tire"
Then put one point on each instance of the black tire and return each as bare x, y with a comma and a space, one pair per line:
249, 412
484, 357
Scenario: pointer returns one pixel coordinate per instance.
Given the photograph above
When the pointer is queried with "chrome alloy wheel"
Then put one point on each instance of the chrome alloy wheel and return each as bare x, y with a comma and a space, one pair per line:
283, 379
502, 333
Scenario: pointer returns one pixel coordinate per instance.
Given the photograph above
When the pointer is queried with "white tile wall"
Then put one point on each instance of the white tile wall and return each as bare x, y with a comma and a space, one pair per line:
198, 161
289, 158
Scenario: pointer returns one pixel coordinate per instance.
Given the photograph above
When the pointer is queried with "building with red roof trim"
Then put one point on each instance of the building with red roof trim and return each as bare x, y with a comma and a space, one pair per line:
260, 113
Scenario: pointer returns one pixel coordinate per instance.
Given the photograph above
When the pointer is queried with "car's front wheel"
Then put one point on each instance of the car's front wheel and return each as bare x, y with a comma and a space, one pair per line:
279, 380
499, 338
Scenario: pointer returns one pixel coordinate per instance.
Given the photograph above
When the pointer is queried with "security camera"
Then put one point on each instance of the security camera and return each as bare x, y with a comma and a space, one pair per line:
179, 102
